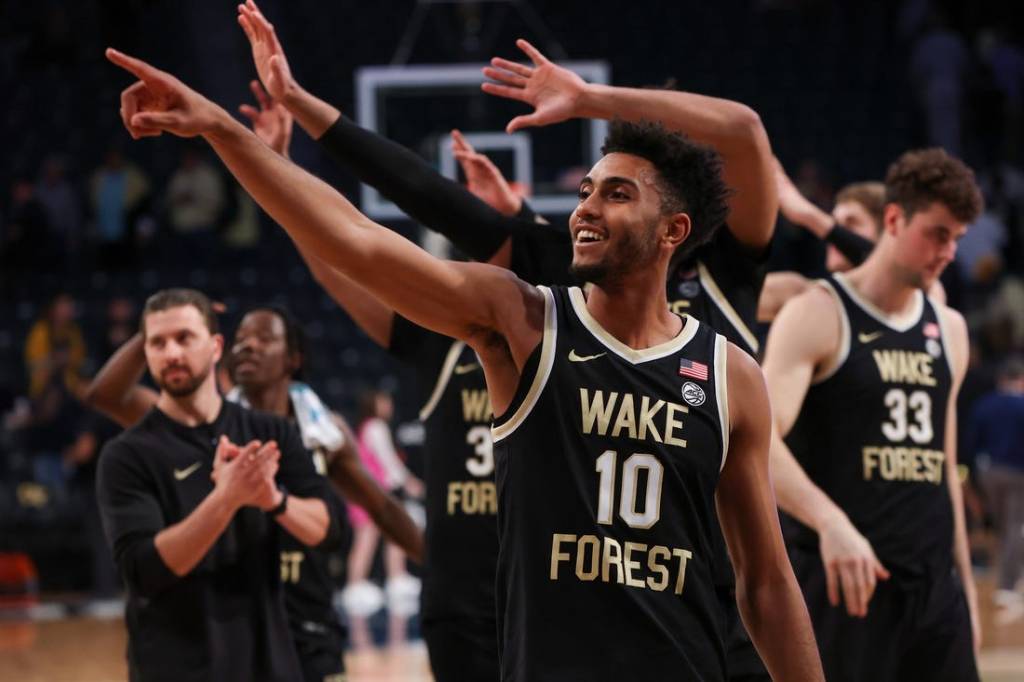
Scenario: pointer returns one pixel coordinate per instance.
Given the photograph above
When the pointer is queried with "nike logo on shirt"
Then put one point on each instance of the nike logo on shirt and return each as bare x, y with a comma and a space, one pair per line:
868, 338
182, 474
583, 358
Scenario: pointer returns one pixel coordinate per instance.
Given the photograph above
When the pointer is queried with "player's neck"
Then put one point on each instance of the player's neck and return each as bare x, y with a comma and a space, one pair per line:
878, 281
201, 407
272, 398
635, 310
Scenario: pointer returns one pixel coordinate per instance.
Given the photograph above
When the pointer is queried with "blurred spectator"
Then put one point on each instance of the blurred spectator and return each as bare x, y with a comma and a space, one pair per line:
55, 349
1006, 63
118, 191
938, 62
59, 202
27, 232
195, 199
996, 429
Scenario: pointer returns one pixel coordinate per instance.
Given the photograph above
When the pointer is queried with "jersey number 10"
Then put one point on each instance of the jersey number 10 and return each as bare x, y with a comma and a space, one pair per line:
628, 493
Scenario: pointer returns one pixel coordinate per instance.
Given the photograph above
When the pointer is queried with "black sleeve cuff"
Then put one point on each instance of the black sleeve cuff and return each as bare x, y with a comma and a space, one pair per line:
850, 244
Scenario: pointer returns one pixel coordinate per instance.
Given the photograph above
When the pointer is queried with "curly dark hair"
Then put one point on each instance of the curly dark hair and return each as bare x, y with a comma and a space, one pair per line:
689, 175
921, 177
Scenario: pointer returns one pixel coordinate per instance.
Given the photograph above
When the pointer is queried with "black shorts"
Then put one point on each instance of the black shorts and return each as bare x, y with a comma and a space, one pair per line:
322, 659
917, 628
743, 663
462, 649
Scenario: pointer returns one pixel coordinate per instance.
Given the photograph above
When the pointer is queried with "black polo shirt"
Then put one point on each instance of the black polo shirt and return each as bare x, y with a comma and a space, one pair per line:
225, 620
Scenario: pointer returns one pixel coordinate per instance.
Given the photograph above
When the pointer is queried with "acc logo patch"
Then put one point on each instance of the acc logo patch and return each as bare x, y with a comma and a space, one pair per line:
933, 347
693, 394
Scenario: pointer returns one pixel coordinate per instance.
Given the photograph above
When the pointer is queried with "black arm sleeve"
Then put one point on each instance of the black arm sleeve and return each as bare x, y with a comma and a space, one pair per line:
850, 244
417, 188
132, 517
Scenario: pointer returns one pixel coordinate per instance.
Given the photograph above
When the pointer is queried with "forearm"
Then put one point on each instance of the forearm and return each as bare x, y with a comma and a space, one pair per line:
396, 524
306, 519
110, 390
795, 493
776, 618
313, 114
725, 125
373, 317
431, 199
184, 544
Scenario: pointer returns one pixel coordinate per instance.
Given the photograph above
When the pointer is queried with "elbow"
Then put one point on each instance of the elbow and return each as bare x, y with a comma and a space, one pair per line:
748, 130
93, 396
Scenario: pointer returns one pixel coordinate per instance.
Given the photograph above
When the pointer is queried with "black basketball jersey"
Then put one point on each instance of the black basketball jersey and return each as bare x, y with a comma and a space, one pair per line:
871, 433
607, 464
461, 499
720, 285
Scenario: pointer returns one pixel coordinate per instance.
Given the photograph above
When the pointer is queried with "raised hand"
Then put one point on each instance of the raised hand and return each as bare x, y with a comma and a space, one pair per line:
267, 53
553, 90
245, 476
272, 122
484, 179
159, 102
851, 567
797, 208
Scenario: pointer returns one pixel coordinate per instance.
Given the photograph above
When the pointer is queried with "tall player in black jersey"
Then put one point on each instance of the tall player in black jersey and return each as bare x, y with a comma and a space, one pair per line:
863, 373
265, 361
653, 573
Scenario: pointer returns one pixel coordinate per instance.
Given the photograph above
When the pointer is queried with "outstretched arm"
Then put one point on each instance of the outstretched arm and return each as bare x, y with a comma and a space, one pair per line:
766, 591
355, 482
806, 333
115, 390
486, 306
399, 174
735, 130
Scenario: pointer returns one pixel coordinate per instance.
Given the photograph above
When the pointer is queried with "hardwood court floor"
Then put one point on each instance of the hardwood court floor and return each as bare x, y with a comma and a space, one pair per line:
88, 650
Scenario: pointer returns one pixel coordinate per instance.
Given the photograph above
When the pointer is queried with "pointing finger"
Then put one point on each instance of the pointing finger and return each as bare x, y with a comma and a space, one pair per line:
532, 52
137, 67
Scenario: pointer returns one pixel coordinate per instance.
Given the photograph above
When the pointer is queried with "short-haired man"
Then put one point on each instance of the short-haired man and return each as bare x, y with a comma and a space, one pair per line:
863, 372
191, 499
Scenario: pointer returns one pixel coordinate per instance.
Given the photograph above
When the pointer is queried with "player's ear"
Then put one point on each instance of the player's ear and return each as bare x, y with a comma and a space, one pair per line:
218, 347
678, 230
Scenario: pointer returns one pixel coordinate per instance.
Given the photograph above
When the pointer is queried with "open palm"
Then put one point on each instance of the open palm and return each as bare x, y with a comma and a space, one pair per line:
267, 53
553, 90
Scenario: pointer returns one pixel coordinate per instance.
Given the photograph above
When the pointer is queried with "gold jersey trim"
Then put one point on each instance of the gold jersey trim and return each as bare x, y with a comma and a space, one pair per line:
943, 336
719, 299
722, 392
631, 355
899, 322
442, 379
837, 361
540, 379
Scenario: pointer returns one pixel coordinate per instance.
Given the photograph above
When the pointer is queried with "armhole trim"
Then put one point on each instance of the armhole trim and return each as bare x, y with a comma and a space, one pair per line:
540, 379
839, 359
442, 379
943, 337
722, 303
722, 393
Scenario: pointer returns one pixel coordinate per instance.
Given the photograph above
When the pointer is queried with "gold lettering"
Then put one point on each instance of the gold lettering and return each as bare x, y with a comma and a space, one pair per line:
673, 424
557, 555
476, 405
597, 411
903, 464
611, 558
661, 583
906, 367
684, 556
647, 412
633, 565
626, 419
595, 555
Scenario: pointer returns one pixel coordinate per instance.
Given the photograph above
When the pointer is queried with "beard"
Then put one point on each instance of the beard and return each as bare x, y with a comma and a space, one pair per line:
633, 252
185, 388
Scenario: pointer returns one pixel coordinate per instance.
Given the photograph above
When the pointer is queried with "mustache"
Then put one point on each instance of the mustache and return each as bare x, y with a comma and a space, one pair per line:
176, 368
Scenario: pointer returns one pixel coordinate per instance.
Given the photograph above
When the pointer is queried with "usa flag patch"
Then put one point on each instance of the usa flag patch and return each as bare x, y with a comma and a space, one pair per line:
694, 370
931, 330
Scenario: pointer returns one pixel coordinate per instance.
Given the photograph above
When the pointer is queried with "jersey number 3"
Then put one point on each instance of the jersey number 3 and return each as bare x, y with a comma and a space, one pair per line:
628, 493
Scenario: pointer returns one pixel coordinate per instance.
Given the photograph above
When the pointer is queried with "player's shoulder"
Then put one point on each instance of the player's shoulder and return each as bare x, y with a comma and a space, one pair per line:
950, 317
811, 313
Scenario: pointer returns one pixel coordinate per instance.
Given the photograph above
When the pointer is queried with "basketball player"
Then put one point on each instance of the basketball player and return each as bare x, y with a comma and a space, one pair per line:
192, 518
850, 233
863, 372
265, 362
457, 615
594, 582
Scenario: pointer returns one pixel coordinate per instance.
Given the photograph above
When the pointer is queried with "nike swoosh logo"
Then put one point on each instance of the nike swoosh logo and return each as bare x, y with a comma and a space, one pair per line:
182, 474
582, 358
466, 369
868, 338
